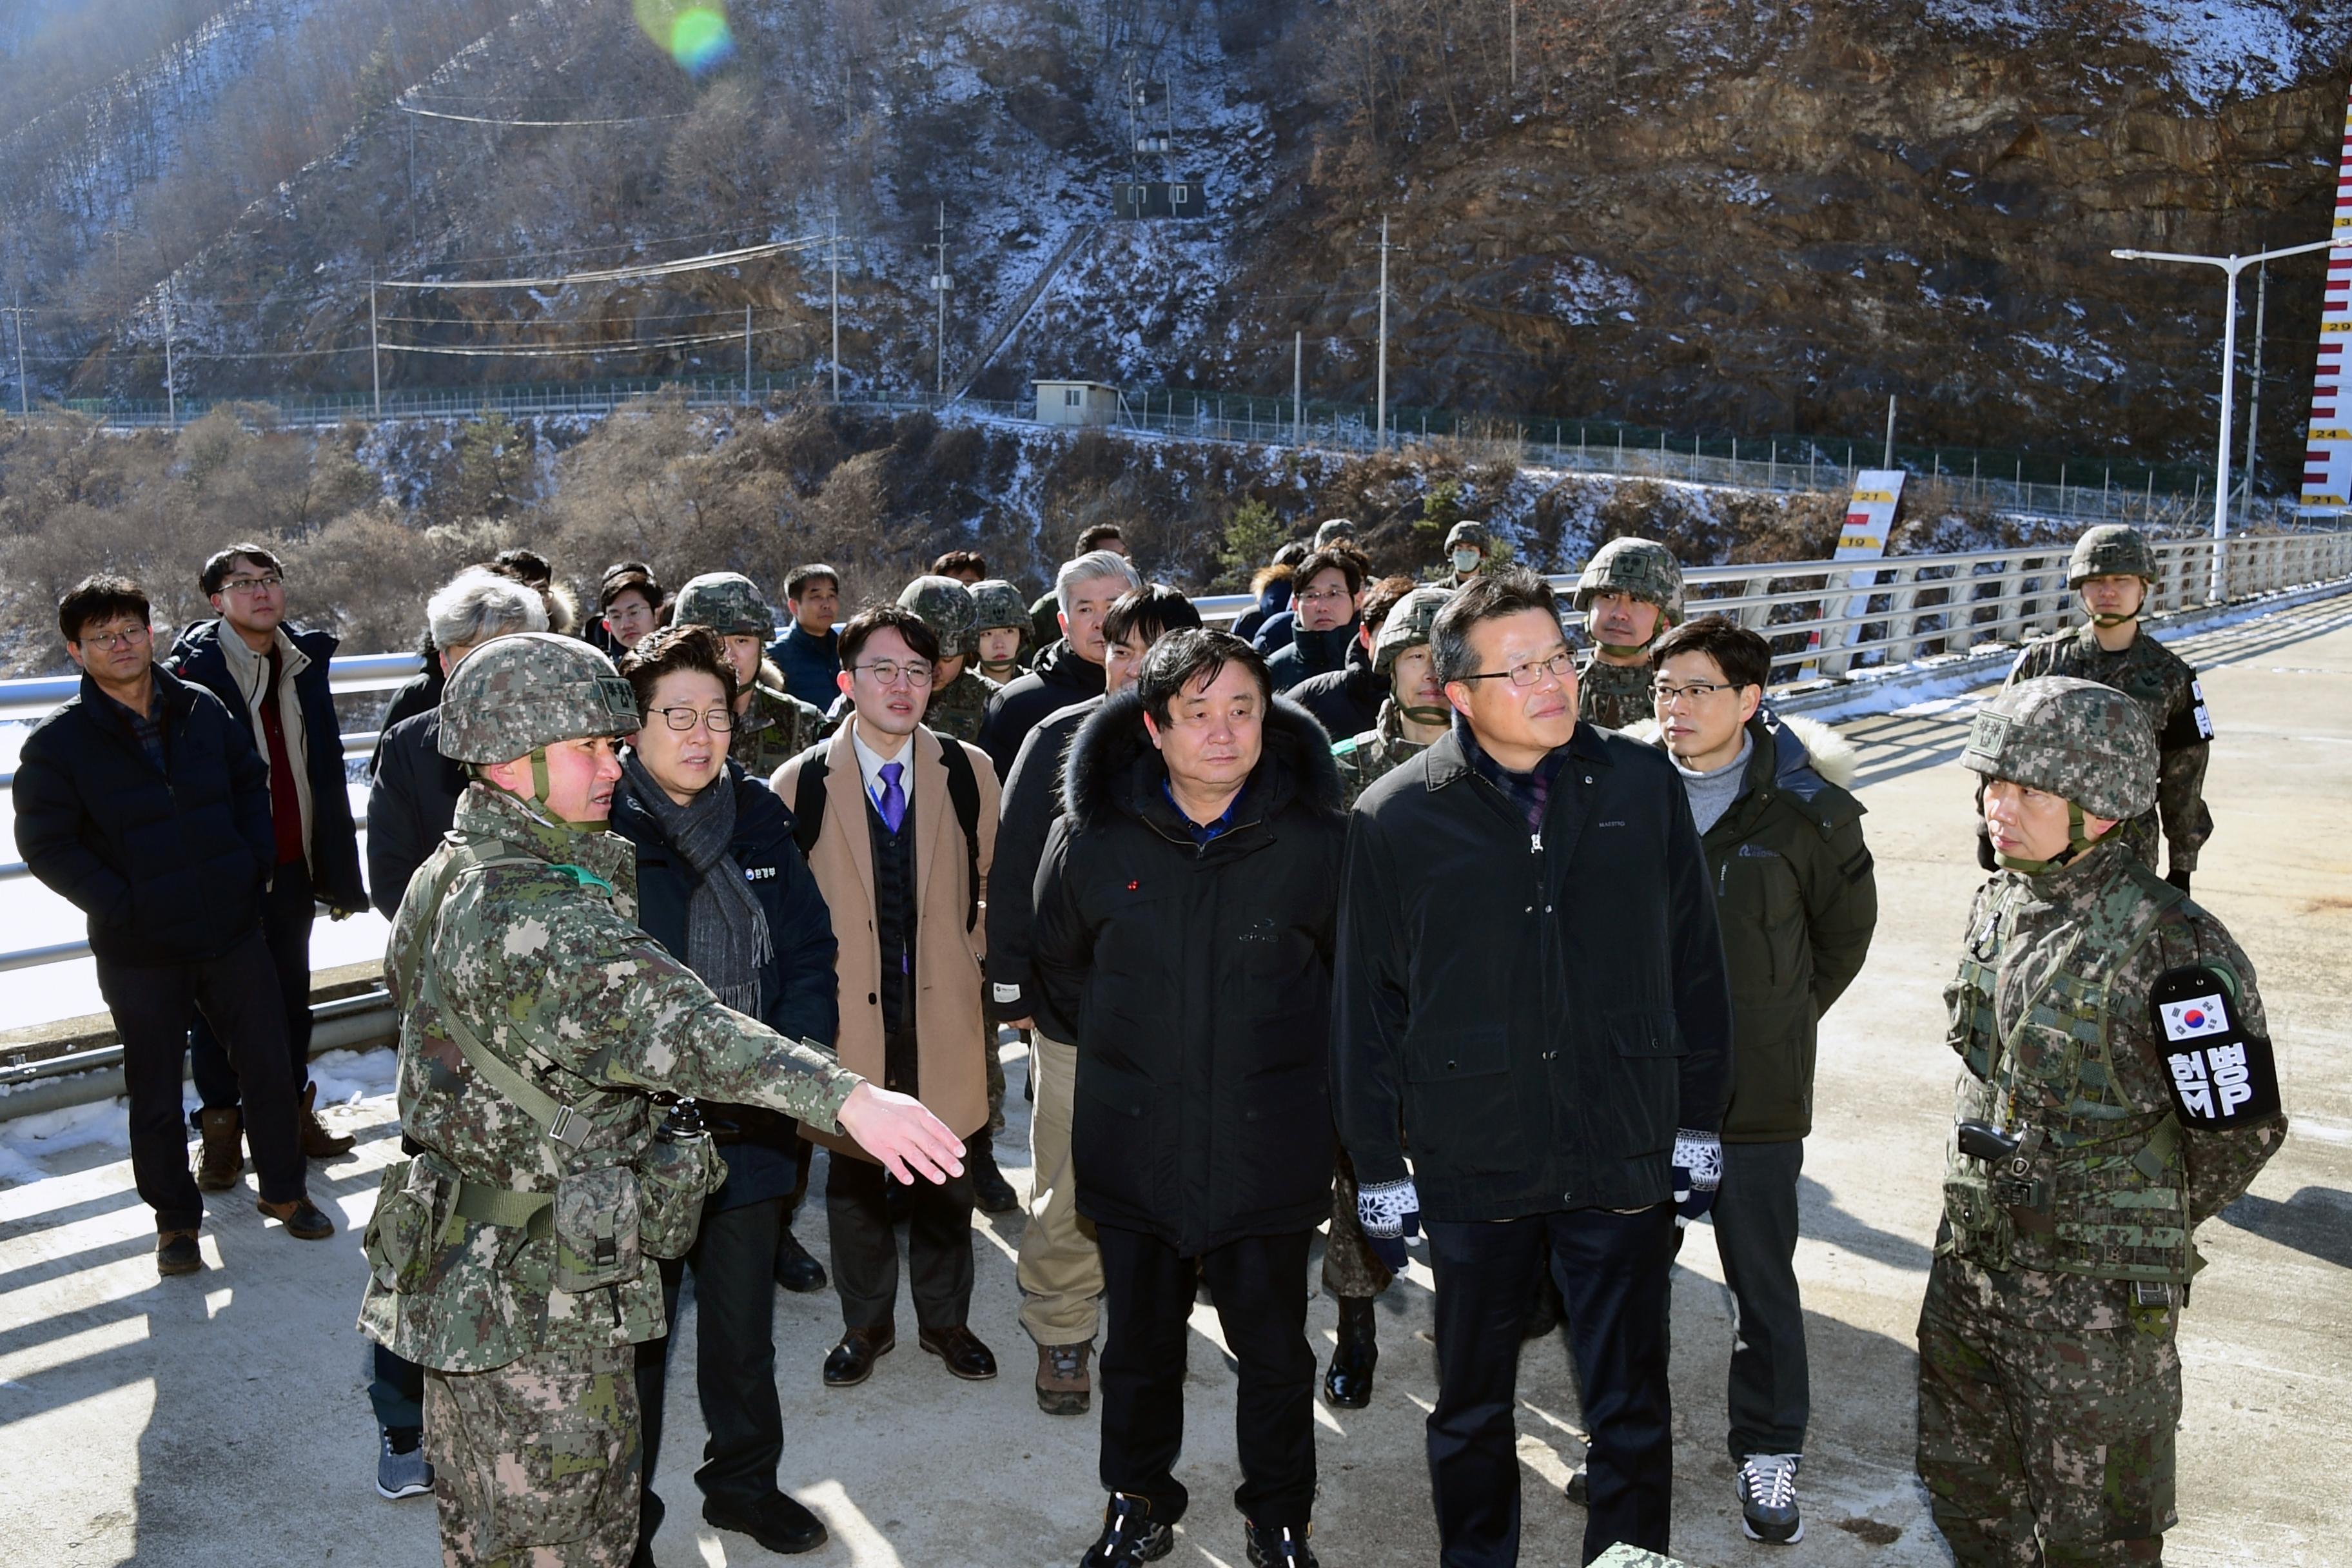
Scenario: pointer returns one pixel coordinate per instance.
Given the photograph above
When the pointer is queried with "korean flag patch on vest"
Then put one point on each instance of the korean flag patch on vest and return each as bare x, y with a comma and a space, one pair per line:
2219, 1075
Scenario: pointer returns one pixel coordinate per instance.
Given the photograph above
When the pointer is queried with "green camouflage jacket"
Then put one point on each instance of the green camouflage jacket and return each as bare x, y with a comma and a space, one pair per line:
2168, 687
1364, 760
546, 965
958, 708
1614, 695
774, 730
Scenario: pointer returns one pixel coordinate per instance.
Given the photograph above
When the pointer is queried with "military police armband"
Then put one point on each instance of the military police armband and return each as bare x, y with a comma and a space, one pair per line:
2218, 1074
2192, 726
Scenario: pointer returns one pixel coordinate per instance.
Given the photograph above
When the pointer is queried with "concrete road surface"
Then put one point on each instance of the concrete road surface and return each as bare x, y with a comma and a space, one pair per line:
220, 1418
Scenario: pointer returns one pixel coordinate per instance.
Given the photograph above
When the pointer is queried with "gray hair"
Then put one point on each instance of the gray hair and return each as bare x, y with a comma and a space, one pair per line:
478, 604
1094, 564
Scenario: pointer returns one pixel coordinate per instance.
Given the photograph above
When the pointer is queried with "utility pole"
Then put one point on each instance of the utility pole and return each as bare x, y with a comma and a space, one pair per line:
1380, 424
2253, 388
23, 409
836, 306
170, 393
1889, 461
411, 182
1515, 45
375, 349
1298, 385
940, 284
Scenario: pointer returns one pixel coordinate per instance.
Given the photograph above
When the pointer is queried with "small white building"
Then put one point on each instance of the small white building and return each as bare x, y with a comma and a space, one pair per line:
1077, 403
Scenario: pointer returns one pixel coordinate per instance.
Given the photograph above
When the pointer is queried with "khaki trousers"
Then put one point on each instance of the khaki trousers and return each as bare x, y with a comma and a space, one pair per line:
1060, 1268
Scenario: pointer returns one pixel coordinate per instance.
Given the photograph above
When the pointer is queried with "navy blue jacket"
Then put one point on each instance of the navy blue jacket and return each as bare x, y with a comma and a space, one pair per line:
796, 987
334, 839
411, 802
809, 664
170, 865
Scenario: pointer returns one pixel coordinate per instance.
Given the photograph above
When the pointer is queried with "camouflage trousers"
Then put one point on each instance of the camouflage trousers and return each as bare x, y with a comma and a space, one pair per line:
1350, 1270
535, 1464
2047, 1406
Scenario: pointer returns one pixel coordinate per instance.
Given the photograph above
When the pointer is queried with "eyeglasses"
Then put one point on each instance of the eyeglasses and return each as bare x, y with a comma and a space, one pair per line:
250, 584
718, 720
889, 672
1668, 693
1559, 666
1324, 596
126, 639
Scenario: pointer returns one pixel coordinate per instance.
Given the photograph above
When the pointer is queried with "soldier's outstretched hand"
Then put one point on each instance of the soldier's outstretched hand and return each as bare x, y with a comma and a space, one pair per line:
898, 1130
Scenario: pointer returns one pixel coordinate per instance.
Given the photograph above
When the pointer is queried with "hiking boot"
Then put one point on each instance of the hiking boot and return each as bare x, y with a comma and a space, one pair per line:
1766, 1484
317, 1143
221, 1164
1278, 1545
1129, 1535
1349, 1384
175, 1253
795, 1270
303, 1219
1062, 1385
401, 1468
990, 1190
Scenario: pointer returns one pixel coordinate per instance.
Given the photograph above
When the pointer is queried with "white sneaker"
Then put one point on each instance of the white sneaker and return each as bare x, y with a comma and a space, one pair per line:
1766, 1484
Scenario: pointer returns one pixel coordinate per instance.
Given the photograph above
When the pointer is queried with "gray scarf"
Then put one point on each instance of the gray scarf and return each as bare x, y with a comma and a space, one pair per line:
726, 940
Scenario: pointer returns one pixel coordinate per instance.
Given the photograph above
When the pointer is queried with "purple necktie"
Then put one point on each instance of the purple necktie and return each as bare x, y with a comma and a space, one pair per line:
893, 804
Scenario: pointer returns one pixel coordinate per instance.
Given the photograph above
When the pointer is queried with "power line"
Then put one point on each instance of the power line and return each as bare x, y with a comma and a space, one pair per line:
616, 274
484, 120
633, 346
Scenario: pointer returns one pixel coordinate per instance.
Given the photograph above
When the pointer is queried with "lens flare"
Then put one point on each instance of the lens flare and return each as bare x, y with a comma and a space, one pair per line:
693, 34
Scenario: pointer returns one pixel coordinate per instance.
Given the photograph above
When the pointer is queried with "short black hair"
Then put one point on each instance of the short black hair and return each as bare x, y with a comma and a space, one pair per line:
1382, 597
956, 560
1153, 610
799, 577
673, 648
631, 576
876, 617
525, 567
1349, 564
1092, 536
1743, 655
1490, 598
216, 568
1195, 656
100, 596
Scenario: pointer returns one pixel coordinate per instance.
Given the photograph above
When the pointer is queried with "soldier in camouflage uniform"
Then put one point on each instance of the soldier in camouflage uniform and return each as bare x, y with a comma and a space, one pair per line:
1633, 581
1468, 548
2117, 1090
958, 703
514, 1256
2113, 568
772, 727
1414, 714
998, 609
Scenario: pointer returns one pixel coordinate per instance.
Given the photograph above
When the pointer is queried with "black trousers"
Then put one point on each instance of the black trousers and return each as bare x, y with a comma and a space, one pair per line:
1755, 1218
286, 911
866, 1250
1612, 1272
1259, 1284
237, 993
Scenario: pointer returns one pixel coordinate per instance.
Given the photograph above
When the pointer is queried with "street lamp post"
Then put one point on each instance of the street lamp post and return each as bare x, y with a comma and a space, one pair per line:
2230, 267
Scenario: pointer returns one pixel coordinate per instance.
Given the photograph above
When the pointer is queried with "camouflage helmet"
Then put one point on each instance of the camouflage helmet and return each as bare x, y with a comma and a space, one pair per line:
2112, 549
515, 695
2087, 744
1642, 567
1469, 534
996, 604
946, 606
1332, 530
727, 602
1408, 622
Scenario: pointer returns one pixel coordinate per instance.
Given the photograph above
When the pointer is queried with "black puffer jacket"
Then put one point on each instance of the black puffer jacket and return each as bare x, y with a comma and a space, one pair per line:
1310, 653
1347, 701
411, 804
1059, 678
1196, 983
170, 865
1030, 806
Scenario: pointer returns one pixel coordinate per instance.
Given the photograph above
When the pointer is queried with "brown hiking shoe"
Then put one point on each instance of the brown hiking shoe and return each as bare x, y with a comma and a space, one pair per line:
221, 1164
175, 1253
302, 1219
1063, 1386
317, 1143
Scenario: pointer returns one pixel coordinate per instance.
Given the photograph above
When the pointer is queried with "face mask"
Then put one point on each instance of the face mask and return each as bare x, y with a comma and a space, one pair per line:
1468, 560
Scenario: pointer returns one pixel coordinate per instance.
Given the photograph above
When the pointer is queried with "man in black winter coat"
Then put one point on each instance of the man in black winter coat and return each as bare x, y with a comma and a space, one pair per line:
143, 802
1347, 701
1532, 996
1070, 670
1182, 939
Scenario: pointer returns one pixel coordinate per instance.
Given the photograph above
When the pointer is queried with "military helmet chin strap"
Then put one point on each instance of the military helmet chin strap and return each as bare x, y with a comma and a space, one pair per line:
2109, 621
2077, 841
1623, 650
1419, 715
537, 797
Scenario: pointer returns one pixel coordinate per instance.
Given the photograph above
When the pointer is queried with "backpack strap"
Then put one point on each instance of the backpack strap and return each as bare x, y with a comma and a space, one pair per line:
808, 801
963, 792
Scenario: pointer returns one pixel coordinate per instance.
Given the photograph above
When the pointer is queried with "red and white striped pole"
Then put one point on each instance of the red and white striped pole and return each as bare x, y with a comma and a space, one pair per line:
2328, 460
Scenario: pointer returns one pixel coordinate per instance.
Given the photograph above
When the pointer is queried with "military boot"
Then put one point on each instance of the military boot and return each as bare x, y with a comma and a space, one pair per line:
1349, 1384
317, 1143
221, 1164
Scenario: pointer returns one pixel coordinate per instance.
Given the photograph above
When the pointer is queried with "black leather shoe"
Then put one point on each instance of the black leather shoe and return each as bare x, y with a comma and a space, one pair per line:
176, 1253
795, 1270
851, 1361
1129, 1535
961, 1350
1278, 1545
990, 1190
303, 1219
775, 1521
1579, 1488
1349, 1384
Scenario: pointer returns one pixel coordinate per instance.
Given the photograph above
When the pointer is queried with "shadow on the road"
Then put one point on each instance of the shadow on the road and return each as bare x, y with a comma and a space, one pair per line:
1825, 1221
2316, 1221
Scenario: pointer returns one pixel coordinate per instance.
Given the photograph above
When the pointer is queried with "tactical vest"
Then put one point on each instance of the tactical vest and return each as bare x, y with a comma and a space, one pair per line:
2098, 1186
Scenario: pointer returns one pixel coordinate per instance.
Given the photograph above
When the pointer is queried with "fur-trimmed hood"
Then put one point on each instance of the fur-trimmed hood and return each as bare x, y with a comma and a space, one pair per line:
1112, 756
1807, 753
